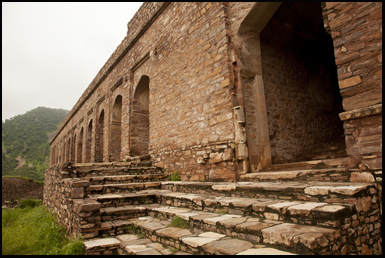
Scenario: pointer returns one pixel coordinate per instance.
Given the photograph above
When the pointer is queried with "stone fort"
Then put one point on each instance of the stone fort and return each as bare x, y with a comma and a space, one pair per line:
267, 111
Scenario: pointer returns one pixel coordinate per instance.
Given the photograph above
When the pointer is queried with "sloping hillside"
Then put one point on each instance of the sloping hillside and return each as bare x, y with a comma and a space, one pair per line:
13, 188
25, 142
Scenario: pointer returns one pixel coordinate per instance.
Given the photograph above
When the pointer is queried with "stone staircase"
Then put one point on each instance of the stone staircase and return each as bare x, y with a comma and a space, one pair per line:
268, 213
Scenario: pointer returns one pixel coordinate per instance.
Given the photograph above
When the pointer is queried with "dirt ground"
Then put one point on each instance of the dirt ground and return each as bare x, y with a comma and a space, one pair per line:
13, 188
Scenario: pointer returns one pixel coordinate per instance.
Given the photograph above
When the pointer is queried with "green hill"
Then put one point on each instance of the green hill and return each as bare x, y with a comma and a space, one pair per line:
25, 139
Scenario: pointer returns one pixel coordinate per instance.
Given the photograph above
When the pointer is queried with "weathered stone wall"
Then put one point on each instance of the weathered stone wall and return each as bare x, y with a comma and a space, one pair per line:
189, 100
66, 197
356, 29
204, 59
300, 79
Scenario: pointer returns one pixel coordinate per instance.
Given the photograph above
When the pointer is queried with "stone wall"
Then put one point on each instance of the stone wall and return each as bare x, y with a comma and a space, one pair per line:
66, 197
356, 29
202, 60
300, 79
189, 99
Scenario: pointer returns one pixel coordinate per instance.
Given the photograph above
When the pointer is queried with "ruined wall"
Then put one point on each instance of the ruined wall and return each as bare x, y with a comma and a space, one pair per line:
201, 63
356, 29
189, 100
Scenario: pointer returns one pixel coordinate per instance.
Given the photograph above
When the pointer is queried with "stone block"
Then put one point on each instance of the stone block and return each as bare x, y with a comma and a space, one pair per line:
77, 192
361, 177
350, 82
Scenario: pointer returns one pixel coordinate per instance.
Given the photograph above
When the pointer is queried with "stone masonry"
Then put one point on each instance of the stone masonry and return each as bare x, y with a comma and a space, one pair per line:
229, 92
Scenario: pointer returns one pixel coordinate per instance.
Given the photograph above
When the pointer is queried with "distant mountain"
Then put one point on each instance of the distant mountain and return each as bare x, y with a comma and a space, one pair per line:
25, 142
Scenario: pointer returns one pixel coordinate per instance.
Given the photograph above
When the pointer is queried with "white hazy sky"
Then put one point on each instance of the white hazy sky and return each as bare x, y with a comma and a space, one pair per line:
52, 51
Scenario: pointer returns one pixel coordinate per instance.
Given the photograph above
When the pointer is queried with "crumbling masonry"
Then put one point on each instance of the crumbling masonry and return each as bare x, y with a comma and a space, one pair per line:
228, 95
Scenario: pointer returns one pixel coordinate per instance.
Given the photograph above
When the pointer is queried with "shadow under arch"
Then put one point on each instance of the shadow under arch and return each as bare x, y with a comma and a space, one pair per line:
140, 131
116, 129
99, 138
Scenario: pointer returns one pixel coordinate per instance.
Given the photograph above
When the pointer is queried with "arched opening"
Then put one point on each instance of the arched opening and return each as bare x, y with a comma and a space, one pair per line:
73, 149
79, 156
99, 138
116, 124
53, 156
68, 155
88, 143
301, 86
139, 136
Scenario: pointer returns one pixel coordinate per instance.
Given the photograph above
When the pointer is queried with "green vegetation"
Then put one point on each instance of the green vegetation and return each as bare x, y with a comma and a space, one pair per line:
178, 222
133, 228
221, 211
175, 176
27, 136
30, 229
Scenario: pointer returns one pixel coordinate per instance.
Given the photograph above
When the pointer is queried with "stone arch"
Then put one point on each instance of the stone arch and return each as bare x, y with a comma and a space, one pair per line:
116, 129
99, 137
139, 135
79, 156
68, 155
53, 156
73, 148
283, 89
88, 143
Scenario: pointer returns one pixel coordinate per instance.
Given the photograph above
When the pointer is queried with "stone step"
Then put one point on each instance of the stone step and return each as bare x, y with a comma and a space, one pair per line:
309, 213
126, 187
127, 198
287, 236
328, 213
314, 164
127, 170
168, 240
322, 174
119, 179
311, 191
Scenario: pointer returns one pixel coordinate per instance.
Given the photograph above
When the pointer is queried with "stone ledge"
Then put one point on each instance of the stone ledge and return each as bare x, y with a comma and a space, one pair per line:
361, 112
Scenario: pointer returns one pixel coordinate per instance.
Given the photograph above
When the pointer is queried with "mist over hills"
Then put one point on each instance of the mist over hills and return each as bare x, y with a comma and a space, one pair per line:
25, 142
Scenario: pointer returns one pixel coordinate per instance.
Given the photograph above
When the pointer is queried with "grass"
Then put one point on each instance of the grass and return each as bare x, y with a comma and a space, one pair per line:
175, 176
31, 229
145, 200
178, 222
222, 211
133, 228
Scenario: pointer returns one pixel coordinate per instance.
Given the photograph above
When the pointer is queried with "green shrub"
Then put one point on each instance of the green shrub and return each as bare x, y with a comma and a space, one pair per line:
175, 176
178, 222
32, 230
30, 203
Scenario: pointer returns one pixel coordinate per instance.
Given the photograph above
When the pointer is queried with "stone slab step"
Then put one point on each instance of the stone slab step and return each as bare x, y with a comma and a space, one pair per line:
99, 180
327, 174
314, 164
286, 236
125, 187
147, 196
196, 242
122, 212
313, 191
307, 213
103, 171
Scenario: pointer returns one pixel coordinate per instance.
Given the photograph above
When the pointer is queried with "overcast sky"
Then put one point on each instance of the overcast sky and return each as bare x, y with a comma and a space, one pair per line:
52, 51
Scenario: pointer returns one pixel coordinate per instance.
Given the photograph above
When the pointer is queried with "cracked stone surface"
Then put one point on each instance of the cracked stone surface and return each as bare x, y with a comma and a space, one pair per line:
228, 246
